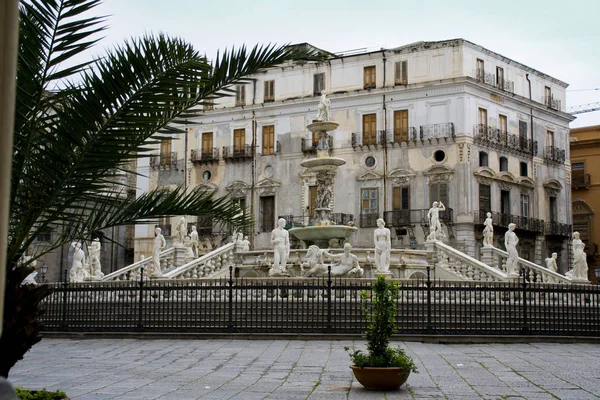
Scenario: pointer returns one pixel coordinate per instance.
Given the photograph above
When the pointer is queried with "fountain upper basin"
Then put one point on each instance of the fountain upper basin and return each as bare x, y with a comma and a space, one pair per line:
323, 163
321, 235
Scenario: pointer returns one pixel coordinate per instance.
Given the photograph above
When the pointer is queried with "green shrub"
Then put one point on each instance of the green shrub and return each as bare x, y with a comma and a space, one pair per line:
380, 313
25, 394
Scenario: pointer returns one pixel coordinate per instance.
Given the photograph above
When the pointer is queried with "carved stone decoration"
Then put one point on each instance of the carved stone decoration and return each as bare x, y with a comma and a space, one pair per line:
461, 152
484, 175
238, 189
267, 187
208, 187
552, 187
504, 185
401, 177
526, 182
369, 176
568, 176
439, 173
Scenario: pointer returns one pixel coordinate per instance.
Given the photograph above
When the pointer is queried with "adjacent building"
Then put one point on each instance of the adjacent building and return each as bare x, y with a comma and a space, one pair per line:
445, 121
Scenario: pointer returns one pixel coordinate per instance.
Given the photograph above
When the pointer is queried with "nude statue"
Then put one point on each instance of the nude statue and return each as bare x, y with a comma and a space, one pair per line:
347, 263
323, 108
181, 231
435, 228
95, 266
280, 239
580, 267
383, 245
78, 271
194, 240
159, 244
488, 231
510, 242
551, 262
246, 244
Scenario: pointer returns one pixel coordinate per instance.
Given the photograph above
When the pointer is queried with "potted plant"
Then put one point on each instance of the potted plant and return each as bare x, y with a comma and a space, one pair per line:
382, 368
25, 394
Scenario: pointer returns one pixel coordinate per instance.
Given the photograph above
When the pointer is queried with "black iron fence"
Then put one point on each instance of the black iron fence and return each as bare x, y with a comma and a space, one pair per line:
501, 140
321, 305
204, 155
554, 154
503, 220
237, 152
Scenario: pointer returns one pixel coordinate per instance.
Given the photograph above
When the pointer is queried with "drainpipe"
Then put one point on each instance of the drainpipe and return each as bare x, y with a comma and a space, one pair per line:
530, 116
384, 137
253, 174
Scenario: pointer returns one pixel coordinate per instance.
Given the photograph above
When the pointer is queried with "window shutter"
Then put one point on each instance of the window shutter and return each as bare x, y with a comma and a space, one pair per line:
522, 129
406, 198
404, 72
397, 198
485, 198
398, 73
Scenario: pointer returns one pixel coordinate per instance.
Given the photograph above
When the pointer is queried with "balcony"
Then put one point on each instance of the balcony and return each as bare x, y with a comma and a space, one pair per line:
341, 218
400, 218
273, 151
502, 220
398, 136
235, 153
437, 132
581, 181
368, 140
496, 139
558, 229
310, 147
555, 155
369, 220
204, 156
164, 161
551, 102
491, 79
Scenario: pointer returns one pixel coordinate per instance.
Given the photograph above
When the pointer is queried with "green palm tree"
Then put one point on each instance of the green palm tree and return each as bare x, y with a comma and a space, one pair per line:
77, 123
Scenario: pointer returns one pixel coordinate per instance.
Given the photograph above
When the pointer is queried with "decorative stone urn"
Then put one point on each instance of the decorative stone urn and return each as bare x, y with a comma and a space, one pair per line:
374, 378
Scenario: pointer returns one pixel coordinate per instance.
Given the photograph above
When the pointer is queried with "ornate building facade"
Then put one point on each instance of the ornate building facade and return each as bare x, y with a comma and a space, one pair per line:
445, 121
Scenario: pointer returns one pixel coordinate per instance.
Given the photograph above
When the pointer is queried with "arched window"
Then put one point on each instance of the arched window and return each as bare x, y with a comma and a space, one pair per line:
483, 159
582, 220
503, 164
524, 169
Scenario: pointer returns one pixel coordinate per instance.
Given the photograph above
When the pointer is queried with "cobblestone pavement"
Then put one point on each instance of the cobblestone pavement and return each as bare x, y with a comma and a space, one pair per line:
296, 369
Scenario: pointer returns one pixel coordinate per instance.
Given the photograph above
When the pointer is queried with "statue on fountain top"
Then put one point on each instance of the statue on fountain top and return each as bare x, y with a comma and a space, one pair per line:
323, 108
280, 239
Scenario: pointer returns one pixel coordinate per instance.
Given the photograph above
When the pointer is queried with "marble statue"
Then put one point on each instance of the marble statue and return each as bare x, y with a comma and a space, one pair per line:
435, 228
580, 267
29, 279
189, 250
347, 263
94, 253
510, 241
159, 244
488, 231
78, 272
280, 239
246, 244
239, 242
180, 232
383, 245
323, 108
194, 241
551, 263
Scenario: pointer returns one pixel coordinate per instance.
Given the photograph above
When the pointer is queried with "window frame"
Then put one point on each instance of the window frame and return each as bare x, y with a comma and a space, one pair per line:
269, 93
369, 77
369, 137
240, 95
268, 135
318, 83
401, 73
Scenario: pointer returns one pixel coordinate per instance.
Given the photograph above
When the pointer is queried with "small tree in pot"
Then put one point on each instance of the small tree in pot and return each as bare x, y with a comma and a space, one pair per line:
382, 368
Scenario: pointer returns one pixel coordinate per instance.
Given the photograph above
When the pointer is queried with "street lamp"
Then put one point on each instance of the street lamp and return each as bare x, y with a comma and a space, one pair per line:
43, 270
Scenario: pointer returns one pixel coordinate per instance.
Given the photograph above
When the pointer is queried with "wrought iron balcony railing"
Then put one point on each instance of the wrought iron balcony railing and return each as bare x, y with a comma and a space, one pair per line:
437, 132
341, 218
402, 135
502, 220
204, 155
555, 155
492, 80
164, 160
367, 139
558, 229
274, 150
497, 139
581, 181
399, 218
237, 153
551, 102
368, 220
310, 147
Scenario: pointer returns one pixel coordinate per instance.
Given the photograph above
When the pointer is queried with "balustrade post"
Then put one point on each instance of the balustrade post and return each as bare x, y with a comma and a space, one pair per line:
525, 328
230, 311
63, 324
140, 325
329, 326
428, 283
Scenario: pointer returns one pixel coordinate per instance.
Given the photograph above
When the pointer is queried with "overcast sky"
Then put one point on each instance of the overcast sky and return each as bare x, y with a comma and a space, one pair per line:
559, 38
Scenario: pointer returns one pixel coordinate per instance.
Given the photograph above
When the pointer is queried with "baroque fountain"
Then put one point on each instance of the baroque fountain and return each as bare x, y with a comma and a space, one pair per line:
323, 232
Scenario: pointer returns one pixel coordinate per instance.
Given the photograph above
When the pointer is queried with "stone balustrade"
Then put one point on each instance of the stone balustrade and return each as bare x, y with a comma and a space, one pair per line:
209, 265
132, 272
533, 272
461, 265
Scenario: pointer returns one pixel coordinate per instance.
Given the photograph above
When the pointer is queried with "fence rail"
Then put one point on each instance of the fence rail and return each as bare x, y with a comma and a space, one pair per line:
322, 305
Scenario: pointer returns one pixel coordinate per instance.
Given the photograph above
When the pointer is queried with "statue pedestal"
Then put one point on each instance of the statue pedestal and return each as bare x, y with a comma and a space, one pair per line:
487, 256
179, 256
580, 281
388, 275
431, 253
278, 273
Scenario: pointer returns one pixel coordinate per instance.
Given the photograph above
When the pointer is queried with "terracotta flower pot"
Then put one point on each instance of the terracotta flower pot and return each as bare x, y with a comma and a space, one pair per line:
380, 378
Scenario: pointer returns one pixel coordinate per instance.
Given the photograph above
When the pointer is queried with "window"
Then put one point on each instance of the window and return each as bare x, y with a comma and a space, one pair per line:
480, 70
240, 95
267, 213
547, 96
525, 205
269, 91
550, 138
553, 209
165, 152
485, 196
578, 174
439, 192
312, 201
318, 83
369, 77
268, 139
505, 202
315, 139
482, 117
239, 140
207, 144
370, 201
401, 73
369, 129
500, 77
523, 168
439, 155
502, 124
401, 198
204, 225
401, 126
44, 235
503, 164
483, 159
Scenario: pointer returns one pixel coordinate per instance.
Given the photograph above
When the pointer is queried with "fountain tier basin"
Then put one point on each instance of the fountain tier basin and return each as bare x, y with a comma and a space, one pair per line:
323, 163
321, 235
322, 126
